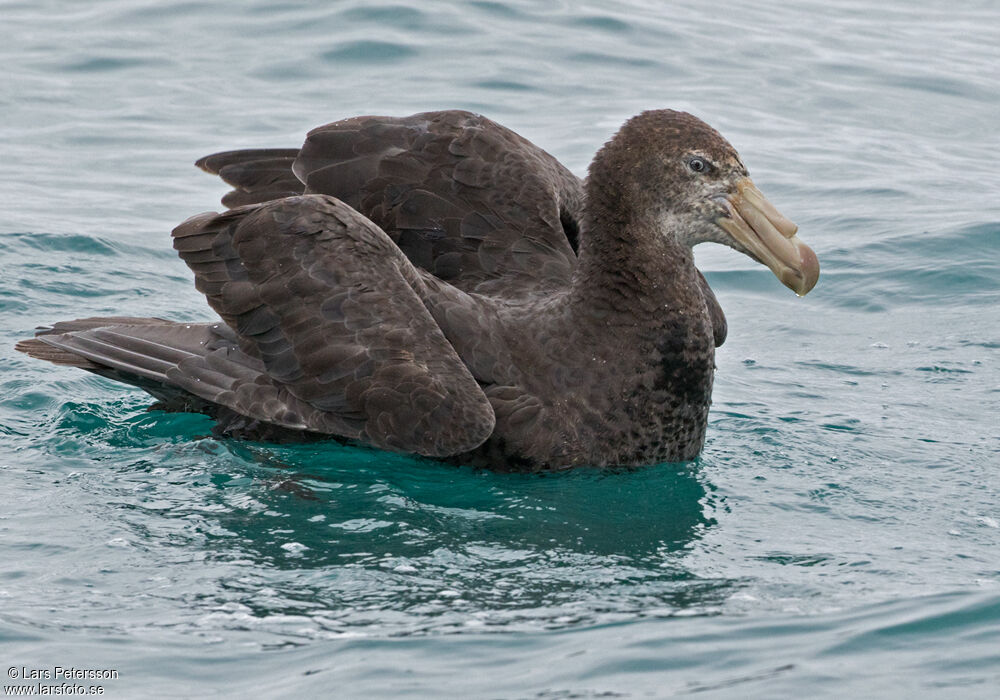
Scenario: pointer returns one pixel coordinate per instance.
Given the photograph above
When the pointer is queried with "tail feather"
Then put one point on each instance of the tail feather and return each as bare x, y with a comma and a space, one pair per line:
97, 349
122, 347
41, 350
145, 347
188, 367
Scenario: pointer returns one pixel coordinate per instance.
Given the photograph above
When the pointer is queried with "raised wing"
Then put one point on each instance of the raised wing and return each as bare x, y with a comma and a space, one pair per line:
329, 307
463, 197
257, 175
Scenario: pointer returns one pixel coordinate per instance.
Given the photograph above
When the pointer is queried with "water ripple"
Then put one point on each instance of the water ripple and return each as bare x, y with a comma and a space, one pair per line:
836, 537
369, 51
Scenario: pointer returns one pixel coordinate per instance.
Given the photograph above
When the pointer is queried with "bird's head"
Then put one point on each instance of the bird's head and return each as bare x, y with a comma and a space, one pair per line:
675, 170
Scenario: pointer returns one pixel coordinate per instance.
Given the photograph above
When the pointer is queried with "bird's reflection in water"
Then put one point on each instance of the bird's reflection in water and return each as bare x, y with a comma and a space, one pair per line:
367, 537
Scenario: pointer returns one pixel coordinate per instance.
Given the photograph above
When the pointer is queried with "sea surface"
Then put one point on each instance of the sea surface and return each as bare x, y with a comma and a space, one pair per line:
839, 536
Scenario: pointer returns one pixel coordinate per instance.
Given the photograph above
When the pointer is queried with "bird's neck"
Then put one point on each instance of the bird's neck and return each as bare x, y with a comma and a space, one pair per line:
636, 305
628, 263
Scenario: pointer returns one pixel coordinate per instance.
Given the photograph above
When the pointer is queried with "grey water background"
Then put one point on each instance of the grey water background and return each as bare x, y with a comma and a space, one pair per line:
840, 535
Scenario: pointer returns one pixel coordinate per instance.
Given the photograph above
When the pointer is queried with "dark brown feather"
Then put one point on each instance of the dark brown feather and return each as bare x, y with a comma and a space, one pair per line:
330, 306
440, 288
462, 196
257, 175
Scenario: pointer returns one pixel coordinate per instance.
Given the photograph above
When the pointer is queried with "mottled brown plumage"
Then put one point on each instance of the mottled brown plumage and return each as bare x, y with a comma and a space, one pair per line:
436, 284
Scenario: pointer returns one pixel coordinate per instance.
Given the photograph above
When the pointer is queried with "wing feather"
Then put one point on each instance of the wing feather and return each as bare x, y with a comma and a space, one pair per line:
330, 307
462, 196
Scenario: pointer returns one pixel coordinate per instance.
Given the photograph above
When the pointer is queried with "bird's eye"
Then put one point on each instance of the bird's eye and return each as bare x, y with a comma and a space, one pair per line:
698, 165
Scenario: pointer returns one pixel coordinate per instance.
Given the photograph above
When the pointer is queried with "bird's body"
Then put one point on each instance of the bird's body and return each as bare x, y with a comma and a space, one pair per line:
436, 284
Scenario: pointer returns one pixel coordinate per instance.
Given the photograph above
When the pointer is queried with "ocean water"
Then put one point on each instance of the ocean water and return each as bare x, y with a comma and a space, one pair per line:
840, 534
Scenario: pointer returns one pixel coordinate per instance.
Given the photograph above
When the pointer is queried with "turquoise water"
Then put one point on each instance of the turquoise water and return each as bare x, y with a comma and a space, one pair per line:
840, 535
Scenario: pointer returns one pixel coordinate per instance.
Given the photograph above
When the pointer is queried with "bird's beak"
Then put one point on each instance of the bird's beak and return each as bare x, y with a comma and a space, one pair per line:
759, 227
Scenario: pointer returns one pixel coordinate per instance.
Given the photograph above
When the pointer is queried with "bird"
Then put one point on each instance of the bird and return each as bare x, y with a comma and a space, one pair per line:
438, 285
